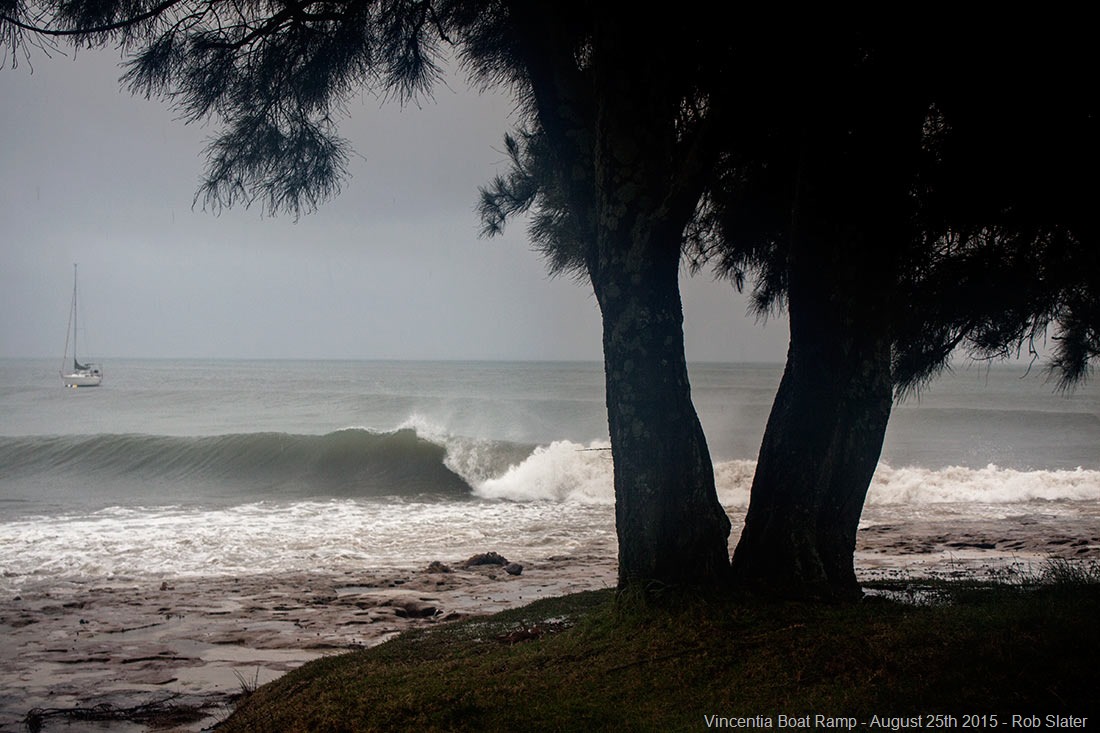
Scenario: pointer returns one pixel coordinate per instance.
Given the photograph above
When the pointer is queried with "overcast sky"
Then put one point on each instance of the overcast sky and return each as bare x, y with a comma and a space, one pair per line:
392, 268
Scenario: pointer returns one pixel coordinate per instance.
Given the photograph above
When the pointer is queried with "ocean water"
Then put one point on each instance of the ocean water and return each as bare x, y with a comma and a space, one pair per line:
184, 468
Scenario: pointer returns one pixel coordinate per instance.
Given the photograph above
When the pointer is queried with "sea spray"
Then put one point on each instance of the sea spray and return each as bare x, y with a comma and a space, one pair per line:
563, 471
474, 459
733, 480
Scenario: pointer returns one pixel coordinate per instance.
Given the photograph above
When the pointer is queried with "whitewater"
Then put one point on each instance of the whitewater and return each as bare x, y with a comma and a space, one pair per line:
216, 469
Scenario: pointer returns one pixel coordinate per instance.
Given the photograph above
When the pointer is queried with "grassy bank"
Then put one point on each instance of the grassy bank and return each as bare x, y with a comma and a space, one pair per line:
582, 663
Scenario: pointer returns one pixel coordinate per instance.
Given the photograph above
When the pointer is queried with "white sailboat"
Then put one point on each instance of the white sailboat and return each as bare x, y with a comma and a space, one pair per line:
81, 375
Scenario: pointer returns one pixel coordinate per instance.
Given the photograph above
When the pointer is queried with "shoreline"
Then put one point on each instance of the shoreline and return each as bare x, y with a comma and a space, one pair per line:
128, 642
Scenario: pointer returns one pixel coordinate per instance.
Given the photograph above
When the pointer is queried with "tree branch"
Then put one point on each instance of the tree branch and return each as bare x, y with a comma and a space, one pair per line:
107, 28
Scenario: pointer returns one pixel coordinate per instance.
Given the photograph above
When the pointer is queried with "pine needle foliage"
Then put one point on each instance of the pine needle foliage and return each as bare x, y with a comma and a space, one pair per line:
277, 75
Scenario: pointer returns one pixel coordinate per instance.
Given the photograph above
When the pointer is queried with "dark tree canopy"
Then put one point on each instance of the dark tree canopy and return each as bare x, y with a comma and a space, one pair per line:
1000, 243
1000, 247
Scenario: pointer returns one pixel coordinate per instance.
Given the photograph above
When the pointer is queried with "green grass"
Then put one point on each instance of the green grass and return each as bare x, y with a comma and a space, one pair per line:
594, 664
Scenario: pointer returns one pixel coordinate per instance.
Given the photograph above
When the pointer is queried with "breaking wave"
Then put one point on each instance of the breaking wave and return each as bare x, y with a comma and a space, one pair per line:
989, 485
349, 462
419, 459
561, 471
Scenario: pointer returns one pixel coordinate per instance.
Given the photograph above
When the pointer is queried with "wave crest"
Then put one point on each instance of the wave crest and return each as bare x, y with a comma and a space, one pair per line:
561, 471
419, 458
348, 462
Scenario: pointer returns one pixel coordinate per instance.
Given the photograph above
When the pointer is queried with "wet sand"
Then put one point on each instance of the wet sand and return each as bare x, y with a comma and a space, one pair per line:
890, 545
197, 641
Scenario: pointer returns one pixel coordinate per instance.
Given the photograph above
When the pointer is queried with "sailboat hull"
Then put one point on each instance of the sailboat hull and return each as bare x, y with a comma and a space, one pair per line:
82, 379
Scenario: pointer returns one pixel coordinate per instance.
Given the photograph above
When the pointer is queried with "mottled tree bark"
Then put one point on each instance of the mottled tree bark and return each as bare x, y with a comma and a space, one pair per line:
672, 531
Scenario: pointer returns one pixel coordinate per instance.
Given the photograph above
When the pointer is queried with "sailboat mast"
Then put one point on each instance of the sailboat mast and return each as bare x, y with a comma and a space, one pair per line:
76, 362
70, 329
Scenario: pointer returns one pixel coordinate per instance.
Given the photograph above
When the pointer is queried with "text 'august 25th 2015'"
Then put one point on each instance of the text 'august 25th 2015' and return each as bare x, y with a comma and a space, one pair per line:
932, 721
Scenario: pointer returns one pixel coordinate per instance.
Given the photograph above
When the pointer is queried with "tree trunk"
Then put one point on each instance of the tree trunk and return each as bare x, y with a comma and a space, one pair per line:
820, 449
633, 173
672, 531
848, 230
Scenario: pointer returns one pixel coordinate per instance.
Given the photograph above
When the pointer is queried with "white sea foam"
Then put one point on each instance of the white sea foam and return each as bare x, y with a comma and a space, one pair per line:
557, 500
733, 479
954, 484
140, 542
989, 485
563, 471
474, 459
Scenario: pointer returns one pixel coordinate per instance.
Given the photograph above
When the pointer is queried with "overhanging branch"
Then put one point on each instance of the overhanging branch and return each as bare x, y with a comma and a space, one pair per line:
106, 28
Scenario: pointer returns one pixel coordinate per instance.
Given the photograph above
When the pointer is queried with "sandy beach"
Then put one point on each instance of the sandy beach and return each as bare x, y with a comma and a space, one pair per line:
194, 642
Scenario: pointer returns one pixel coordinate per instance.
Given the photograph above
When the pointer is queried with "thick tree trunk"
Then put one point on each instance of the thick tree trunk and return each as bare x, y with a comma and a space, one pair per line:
848, 231
672, 531
819, 452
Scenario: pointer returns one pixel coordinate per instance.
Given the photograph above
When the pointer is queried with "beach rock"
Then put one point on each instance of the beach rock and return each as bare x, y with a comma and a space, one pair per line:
485, 558
416, 609
513, 568
437, 567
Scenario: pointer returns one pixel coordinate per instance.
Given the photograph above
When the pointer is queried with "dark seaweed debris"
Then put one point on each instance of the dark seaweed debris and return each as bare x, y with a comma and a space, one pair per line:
164, 712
